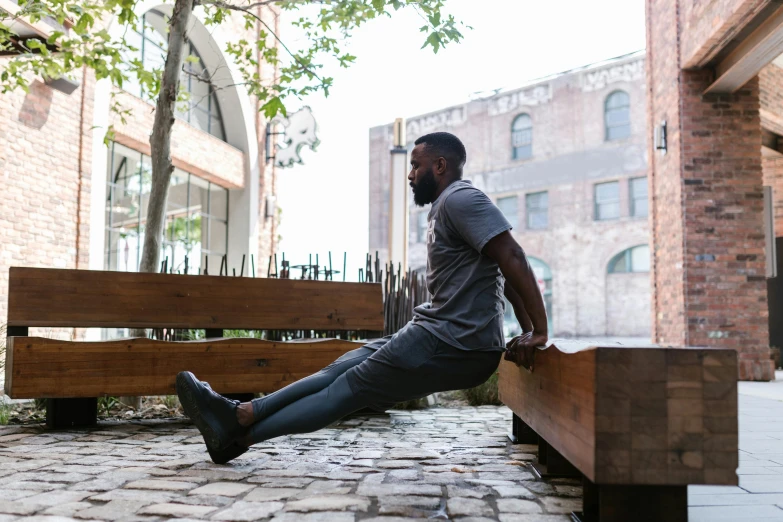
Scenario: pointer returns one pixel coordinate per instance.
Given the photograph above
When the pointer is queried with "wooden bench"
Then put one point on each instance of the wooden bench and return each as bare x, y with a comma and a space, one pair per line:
637, 424
71, 375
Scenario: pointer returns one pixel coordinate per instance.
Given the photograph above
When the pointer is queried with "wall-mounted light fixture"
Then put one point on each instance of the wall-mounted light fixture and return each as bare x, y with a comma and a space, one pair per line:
660, 138
270, 207
63, 84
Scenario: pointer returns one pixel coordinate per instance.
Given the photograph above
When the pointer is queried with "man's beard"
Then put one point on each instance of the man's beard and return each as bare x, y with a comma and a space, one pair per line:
424, 190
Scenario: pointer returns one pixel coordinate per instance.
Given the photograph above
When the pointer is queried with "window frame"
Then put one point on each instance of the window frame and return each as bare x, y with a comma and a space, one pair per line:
212, 109
627, 257
516, 133
609, 126
515, 222
544, 210
632, 197
136, 230
596, 203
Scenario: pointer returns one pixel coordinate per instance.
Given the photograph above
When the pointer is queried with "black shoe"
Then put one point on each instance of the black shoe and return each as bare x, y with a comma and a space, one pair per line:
224, 455
214, 415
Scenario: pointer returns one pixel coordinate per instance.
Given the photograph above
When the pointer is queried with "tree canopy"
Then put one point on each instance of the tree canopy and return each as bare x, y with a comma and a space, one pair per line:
84, 39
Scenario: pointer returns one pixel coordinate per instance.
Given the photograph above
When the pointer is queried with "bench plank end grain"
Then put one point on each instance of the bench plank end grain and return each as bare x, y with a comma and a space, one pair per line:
625, 415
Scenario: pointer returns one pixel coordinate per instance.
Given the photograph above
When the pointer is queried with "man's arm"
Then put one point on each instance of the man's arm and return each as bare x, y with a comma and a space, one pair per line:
511, 259
519, 308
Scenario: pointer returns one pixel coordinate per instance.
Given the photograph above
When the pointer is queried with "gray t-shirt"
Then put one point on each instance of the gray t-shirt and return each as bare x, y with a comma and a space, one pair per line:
466, 287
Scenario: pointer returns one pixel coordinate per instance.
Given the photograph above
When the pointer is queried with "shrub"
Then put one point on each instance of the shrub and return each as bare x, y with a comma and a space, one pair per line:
483, 394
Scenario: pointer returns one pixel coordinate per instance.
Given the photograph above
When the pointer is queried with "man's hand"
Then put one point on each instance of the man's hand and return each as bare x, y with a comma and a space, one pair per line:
522, 348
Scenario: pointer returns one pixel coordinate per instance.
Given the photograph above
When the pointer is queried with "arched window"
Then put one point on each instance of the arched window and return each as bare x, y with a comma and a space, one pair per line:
201, 109
636, 259
617, 115
522, 137
544, 278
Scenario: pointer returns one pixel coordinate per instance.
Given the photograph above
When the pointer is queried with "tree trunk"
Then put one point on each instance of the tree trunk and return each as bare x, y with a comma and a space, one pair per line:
160, 143
160, 140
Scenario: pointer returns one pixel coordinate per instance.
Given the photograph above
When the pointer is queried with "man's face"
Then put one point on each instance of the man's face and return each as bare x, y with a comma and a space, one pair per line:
422, 176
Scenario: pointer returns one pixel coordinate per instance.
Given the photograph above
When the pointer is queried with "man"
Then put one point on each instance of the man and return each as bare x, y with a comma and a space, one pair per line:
454, 342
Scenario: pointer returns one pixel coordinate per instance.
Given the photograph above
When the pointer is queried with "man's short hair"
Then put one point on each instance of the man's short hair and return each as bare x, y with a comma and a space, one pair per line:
447, 145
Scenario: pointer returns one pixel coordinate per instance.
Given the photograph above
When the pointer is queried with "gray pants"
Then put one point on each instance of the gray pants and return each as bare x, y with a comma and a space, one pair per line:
408, 365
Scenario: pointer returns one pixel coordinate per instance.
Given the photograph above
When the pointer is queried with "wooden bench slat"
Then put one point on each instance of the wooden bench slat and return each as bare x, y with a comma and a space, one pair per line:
51, 368
632, 416
82, 298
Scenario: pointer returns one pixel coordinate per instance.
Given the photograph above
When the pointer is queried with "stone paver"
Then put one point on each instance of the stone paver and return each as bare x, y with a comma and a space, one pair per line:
759, 495
436, 463
226, 489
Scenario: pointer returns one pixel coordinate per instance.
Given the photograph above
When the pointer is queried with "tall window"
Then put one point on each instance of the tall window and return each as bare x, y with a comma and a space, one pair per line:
421, 227
201, 108
522, 137
617, 115
537, 209
196, 216
636, 259
638, 193
607, 200
508, 206
543, 276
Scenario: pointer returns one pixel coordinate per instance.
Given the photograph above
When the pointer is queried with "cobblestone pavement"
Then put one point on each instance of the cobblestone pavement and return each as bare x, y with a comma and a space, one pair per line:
442, 463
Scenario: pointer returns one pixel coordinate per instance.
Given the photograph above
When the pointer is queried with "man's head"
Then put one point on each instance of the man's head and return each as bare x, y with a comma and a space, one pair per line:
436, 160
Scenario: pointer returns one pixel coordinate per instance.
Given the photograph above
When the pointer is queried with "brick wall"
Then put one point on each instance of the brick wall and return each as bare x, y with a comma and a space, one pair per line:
45, 172
707, 204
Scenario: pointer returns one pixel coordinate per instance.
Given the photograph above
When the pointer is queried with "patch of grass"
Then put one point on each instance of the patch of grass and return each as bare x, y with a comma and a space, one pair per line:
105, 405
171, 402
484, 394
5, 412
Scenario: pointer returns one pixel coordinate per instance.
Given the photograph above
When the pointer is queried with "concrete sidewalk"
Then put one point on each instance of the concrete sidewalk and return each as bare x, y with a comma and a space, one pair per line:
759, 495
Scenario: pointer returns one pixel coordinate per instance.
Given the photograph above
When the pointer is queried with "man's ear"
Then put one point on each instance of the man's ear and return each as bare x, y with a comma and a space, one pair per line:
440, 165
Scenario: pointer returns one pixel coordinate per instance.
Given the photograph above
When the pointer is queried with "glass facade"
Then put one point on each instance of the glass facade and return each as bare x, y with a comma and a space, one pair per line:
201, 108
196, 216
607, 200
537, 209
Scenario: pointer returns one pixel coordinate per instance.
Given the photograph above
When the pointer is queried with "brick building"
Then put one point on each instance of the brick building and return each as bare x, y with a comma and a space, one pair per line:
565, 159
72, 202
715, 92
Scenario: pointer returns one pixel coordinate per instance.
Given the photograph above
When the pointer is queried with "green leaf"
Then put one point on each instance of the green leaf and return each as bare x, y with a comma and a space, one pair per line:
273, 107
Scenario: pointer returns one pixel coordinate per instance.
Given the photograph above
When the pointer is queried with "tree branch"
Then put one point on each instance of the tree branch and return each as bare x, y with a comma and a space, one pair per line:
246, 10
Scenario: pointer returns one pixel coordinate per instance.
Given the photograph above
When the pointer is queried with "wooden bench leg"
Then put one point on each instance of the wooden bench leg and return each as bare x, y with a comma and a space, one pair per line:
612, 503
521, 433
551, 463
71, 413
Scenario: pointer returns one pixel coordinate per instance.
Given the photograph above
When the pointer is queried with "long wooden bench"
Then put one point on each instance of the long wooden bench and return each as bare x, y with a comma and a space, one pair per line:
637, 424
72, 374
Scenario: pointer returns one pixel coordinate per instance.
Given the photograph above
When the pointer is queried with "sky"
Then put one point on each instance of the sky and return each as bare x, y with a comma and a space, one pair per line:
324, 202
